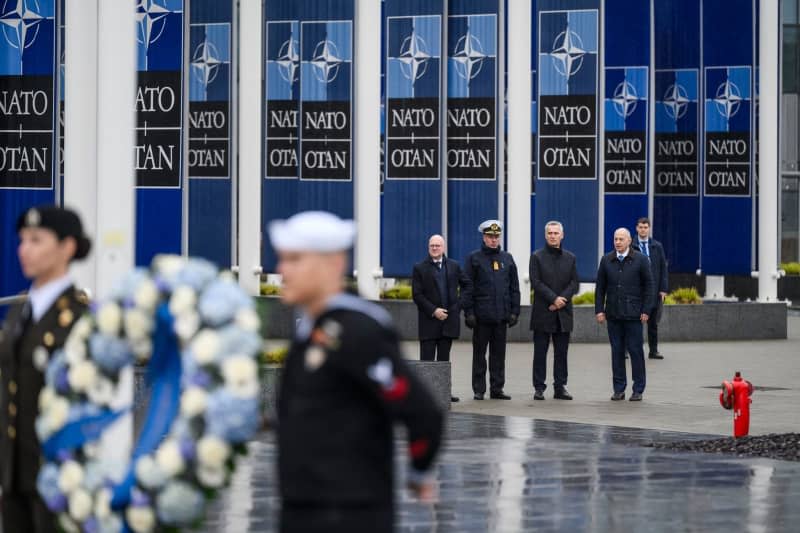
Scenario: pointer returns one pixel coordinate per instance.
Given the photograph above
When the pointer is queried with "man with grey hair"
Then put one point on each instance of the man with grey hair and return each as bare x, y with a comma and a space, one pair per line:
624, 300
554, 278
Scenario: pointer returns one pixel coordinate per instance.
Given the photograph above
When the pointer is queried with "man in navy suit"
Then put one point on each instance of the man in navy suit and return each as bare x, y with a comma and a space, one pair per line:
658, 266
434, 287
624, 299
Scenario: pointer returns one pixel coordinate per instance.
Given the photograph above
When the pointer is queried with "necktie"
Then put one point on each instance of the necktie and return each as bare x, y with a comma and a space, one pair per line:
620, 257
438, 264
646, 249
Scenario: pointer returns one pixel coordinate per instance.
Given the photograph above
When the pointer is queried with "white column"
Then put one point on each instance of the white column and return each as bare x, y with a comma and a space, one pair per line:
769, 120
367, 148
80, 128
251, 20
518, 226
116, 94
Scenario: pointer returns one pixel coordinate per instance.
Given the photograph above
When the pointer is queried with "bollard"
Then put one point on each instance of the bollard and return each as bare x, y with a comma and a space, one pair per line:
736, 395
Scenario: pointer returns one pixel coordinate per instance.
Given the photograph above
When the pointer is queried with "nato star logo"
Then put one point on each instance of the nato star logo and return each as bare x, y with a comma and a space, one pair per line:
625, 99
728, 99
414, 57
205, 62
568, 53
676, 101
326, 61
288, 60
468, 56
21, 24
150, 15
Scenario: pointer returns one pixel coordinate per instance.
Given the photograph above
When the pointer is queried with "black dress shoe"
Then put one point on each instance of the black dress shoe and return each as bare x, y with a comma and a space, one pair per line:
454, 399
562, 394
617, 396
655, 355
636, 397
478, 396
538, 395
499, 396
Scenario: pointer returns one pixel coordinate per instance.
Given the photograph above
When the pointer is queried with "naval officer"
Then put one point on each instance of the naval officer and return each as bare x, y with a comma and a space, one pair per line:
50, 238
344, 386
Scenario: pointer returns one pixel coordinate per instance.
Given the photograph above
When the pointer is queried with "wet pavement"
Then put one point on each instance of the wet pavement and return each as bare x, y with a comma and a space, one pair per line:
515, 474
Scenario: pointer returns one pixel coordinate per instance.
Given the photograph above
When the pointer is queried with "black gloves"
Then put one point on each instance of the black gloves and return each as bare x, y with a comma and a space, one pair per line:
470, 321
512, 320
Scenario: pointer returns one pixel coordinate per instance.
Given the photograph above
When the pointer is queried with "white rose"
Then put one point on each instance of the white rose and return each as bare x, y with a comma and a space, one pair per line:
169, 458
80, 505
82, 329
75, 350
142, 348
67, 524
109, 319
247, 319
58, 413
168, 264
239, 372
212, 452
91, 450
137, 324
211, 477
82, 376
141, 519
46, 397
186, 325
182, 301
146, 295
101, 391
205, 346
149, 473
193, 402
102, 504
70, 476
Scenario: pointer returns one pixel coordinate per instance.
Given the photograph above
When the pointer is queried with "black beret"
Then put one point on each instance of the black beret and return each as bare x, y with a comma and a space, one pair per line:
61, 221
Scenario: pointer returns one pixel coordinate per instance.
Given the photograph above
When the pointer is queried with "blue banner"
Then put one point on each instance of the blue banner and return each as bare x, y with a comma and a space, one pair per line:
728, 110
627, 114
159, 128
412, 124
209, 158
534, 120
472, 125
567, 186
28, 121
308, 120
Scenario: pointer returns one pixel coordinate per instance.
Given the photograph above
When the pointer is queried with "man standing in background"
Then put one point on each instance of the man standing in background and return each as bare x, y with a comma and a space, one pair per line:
658, 267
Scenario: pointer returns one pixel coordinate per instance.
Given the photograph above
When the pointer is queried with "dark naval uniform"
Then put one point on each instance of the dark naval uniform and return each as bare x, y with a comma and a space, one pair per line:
345, 385
25, 348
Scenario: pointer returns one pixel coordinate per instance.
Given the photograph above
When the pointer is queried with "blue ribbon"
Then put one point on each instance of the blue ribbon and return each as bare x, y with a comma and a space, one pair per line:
76, 434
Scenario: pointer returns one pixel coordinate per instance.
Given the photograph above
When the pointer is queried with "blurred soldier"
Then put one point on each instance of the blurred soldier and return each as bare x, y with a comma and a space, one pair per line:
491, 304
658, 266
344, 386
50, 238
554, 278
434, 286
624, 298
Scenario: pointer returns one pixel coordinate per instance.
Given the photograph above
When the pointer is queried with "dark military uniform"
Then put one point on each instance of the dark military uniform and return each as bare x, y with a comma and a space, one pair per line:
345, 385
25, 347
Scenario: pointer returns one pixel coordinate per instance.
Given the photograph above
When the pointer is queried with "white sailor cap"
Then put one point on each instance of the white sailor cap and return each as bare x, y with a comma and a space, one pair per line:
312, 231
491, 227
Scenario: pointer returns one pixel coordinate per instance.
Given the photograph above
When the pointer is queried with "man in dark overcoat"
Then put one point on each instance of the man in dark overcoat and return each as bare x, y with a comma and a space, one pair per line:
50, 238
554, 278
654, 251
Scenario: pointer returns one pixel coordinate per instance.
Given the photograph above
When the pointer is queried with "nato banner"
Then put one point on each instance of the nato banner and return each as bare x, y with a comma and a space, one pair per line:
159, 128
28, 114
676, 204
534, 120
472, 126
727, 204
627, 114
209, 157
308, 119
567, 188
412, 121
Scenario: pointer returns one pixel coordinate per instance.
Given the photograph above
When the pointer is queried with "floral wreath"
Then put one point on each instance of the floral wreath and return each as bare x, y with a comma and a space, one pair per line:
197, 333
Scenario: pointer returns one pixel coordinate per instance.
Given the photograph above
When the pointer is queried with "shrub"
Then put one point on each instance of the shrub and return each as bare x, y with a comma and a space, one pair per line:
791, 269
267, 289
276, 356
683, 295
398, 292
585, 298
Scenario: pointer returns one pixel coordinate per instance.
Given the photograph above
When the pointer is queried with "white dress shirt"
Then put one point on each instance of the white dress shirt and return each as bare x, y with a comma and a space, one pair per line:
41, 298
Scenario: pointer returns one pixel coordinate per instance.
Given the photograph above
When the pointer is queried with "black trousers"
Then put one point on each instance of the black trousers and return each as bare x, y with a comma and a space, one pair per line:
336, 518
626, 335
435, 349
541, 343
652, 325
493, 336
23, 512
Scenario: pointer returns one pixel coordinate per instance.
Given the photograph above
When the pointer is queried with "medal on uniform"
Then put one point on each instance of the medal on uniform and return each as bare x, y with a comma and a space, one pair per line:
495, 265
315, 357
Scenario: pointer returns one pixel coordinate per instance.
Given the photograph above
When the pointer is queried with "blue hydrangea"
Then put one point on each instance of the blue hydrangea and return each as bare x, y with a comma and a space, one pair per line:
196, 274
94, 476
124, 289
82, 410
57, 364
179, 504
232, 418
110, 353
220, 302
235, 340
47, 485
110, 524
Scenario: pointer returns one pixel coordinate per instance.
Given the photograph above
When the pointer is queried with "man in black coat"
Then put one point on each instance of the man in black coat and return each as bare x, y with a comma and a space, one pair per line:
434, 288
624, 299
554, 277
490, 299
345, 385
50, 238
658, 266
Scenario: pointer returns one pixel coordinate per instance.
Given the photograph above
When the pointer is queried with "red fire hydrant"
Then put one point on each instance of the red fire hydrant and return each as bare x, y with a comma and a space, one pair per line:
736, 395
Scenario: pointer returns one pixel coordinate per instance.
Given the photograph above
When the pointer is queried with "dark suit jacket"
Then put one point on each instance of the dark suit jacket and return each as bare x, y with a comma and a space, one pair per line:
553, 273
658, 263
624, 290
425, 291
21, 382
